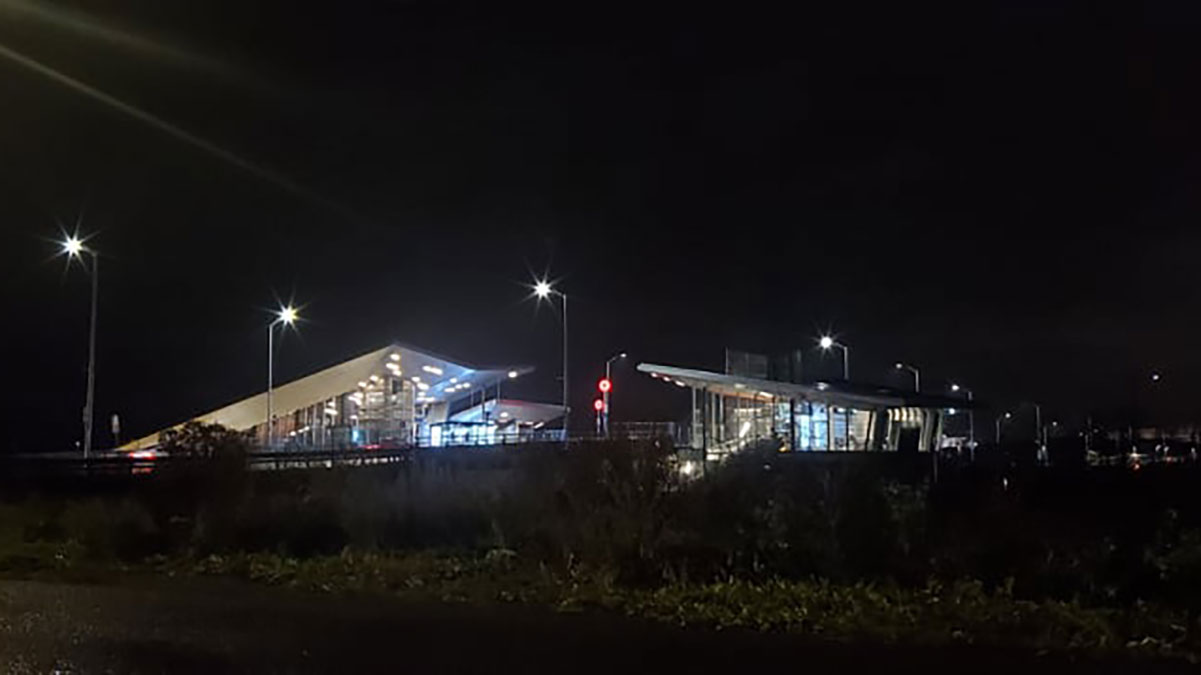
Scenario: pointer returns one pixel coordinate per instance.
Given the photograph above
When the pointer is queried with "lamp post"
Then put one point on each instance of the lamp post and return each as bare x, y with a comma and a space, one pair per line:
74, 248
1000, 419
609, 378
971, 419
286, 316
543, 290
826, 343
917, 376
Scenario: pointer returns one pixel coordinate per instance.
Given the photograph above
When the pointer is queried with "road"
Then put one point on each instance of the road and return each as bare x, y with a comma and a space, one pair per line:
216, 626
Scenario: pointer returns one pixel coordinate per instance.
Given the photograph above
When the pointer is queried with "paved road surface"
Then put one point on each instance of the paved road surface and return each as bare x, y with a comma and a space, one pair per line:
213, 626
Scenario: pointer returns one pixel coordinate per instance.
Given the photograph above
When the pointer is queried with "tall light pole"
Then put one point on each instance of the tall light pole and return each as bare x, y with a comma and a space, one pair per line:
826, 343
971, 418
609, 378
286, 316
917, 375
74, 248
543, 290
1000, 419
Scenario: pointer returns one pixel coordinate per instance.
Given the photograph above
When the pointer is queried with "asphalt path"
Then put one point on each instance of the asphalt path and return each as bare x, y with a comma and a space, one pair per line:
217, 626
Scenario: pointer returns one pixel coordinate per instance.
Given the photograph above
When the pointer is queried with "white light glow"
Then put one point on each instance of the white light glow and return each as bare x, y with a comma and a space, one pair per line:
73, 246
542, 289
422, 386
432, 370
395, 357
454, 380
288, 315
826, 342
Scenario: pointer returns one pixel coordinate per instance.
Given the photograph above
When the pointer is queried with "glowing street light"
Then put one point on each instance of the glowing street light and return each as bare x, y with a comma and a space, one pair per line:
1000, 419
286, 316
917, 375
826, 343
543, 291
971, 417
73, 247
605, 391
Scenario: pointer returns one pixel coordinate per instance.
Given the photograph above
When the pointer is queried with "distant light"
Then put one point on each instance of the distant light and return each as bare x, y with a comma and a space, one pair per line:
504, 414
680, 384
73, 246
433, 370
415, 378
542, 289
422, 386
288, 315
826, 342
900, 365
1008, 415
605, 385
454, 380
362, 384
374, 378
598, 405
951, 411
765, 393
1155, 377
622, 355
512, 374
395, 357
954, 387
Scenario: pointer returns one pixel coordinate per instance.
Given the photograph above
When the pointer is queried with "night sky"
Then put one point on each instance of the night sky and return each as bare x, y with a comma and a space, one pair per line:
1005, 194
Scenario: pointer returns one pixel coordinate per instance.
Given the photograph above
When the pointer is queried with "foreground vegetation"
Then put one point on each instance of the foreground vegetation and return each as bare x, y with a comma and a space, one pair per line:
838, 551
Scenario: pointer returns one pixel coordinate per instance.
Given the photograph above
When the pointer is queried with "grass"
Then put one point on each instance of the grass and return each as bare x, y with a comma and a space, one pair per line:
937, 614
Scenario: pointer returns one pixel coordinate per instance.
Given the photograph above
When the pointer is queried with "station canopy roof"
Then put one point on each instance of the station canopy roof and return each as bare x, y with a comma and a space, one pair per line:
439, 379
837, 393
510, 411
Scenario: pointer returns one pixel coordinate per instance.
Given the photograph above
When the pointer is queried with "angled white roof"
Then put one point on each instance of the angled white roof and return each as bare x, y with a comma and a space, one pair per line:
510, 410
447, 381
753, 387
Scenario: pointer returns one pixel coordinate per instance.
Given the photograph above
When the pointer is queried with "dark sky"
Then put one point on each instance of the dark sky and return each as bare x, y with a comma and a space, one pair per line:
1002, 193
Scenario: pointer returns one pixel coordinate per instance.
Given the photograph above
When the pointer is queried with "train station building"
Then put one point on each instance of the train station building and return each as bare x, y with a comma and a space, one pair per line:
741, 407
395, 396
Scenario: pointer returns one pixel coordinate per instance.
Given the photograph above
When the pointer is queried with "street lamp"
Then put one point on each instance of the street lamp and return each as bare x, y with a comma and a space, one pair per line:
917, 376
73, 247
971, 417
826, 343
543, 291
1000, 419
609, 378
286, 316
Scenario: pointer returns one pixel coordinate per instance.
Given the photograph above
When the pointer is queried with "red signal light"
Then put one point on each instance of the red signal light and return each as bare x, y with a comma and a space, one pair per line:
598, 405
604, 385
